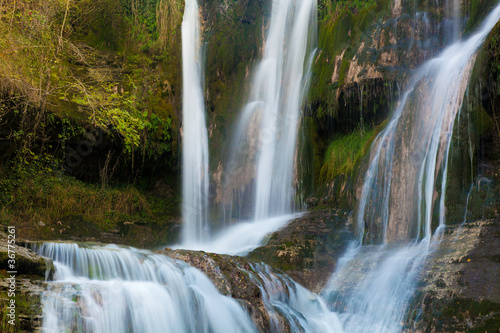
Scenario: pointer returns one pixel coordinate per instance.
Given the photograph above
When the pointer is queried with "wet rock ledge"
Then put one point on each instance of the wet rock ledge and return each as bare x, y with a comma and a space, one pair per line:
458, 292
308, 248
30, 283
230, 275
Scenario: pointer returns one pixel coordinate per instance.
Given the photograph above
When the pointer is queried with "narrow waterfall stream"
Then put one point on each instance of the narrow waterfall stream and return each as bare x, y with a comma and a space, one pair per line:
409, 159
266, 135
454, 21
195, 135
280, 84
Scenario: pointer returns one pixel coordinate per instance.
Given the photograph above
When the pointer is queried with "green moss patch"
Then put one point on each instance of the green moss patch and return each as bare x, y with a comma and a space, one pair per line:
344, 155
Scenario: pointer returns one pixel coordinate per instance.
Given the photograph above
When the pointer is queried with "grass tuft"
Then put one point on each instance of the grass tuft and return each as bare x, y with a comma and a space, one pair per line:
344, 154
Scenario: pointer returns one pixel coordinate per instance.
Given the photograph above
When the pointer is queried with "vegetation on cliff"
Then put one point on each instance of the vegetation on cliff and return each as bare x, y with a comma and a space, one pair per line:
88, 107
90, 126
90, 102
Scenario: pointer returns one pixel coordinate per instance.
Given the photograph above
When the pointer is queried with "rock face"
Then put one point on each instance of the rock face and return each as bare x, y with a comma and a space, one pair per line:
307, 248
76, 228
32, 270
460, 290
28, 305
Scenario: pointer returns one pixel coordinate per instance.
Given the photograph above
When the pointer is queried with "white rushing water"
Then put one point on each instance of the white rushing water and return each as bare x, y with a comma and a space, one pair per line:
291, 305
280, 84
112, 289
266, 135
195, 175
454, 20
406, 179
241, 238
403, 195
115, 289
270, 121
372, 286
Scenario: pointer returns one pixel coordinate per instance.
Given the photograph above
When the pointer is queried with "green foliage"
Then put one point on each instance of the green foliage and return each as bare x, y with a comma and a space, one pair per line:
482, 122
344, 67
328, 8
161, 138
57, 82
115, 111
350, 4
345, 154
30, 194
147, 26
142, 10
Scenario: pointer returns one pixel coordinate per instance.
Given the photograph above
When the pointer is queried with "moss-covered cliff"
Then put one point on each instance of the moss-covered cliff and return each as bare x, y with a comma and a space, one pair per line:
90, 130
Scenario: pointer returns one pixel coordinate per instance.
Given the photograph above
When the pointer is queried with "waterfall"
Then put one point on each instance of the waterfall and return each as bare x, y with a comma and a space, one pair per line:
109, 288
453, 18
263, 151
114, 289
405, 183
403, 193
372, 286
264, 145
194, 137
291, 305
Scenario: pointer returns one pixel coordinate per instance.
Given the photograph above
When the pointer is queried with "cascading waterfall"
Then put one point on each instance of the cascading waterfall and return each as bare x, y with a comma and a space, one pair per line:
195, 136
266, 135
403, 194
113, 289
291, 305
372, 286
118, 289
409, 159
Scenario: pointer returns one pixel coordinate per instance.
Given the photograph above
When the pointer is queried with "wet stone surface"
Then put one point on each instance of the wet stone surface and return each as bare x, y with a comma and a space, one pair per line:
460, 288
308, 248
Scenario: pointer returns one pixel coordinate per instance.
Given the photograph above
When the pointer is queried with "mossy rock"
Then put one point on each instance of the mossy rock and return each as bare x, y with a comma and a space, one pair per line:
31, 272
460, 289
475, 147
27, 262
232, 276
307, 248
